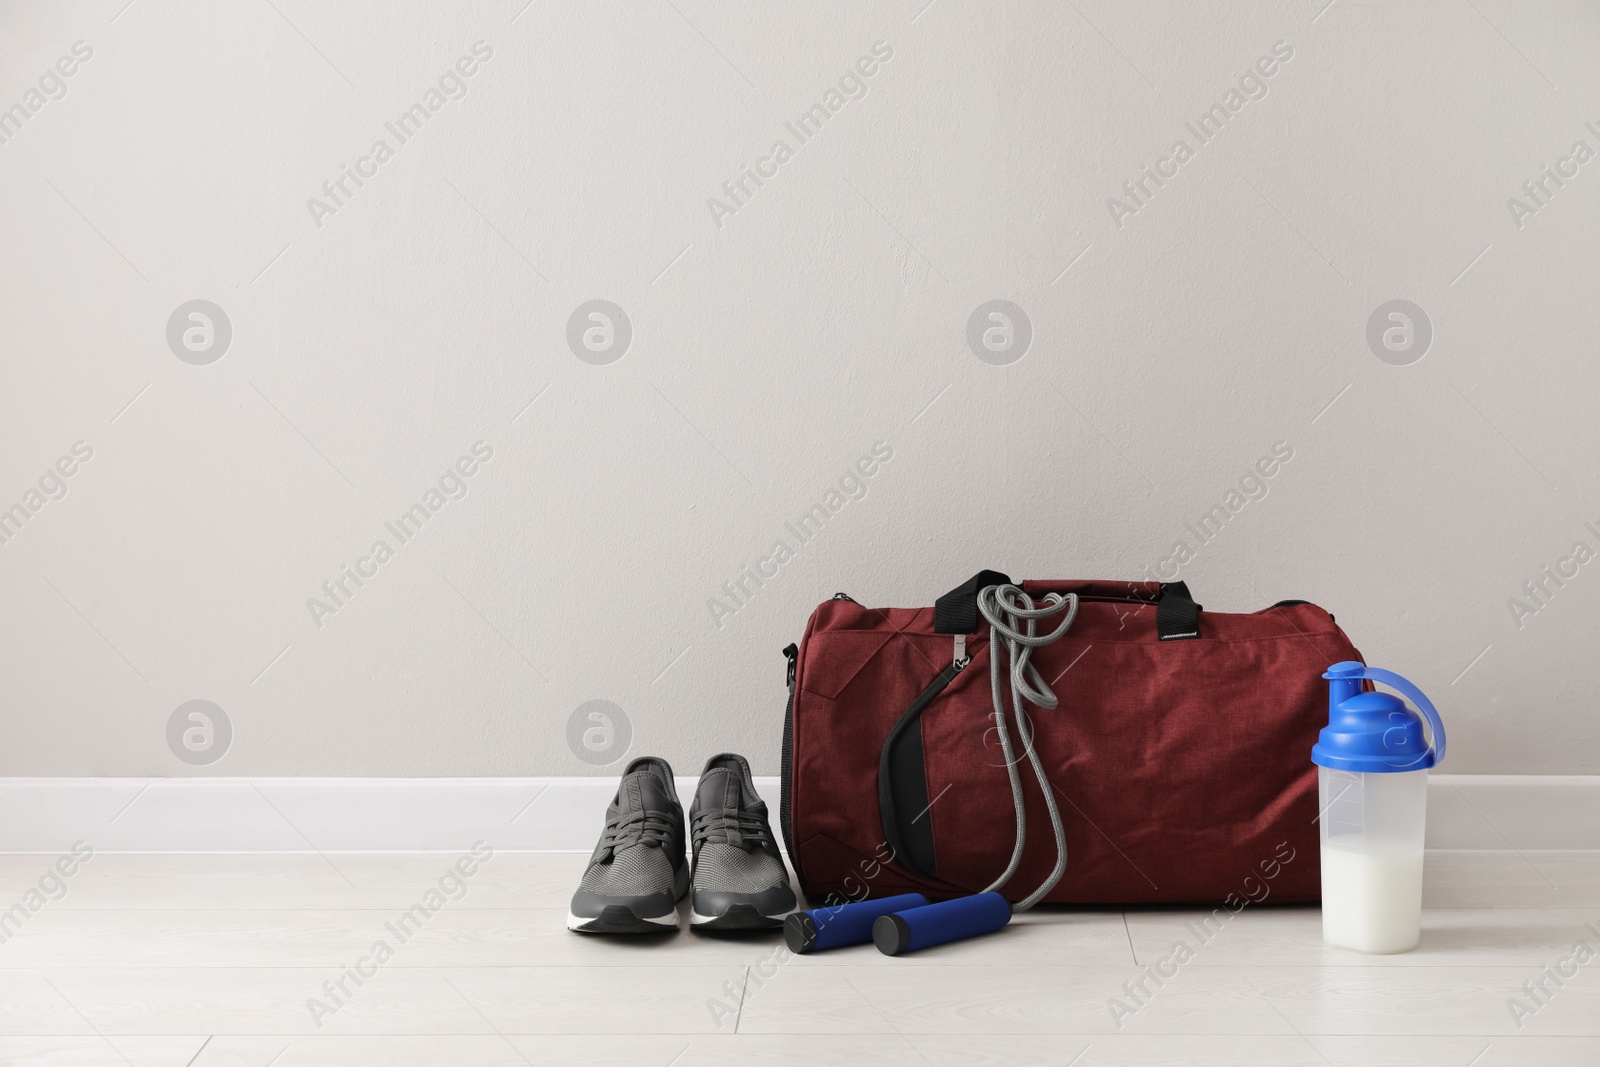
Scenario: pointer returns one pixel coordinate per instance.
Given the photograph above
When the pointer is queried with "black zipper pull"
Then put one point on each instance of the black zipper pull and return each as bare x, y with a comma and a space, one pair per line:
843, 596
792, 654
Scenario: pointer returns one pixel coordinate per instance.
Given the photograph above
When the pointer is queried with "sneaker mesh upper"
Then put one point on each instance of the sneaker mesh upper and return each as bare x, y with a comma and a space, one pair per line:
636, 871
725, 868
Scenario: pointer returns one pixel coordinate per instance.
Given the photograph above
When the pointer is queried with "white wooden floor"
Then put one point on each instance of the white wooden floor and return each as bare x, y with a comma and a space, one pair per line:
210, 961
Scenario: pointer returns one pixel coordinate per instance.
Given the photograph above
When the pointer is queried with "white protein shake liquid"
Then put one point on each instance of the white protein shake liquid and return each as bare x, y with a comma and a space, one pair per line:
1372, 901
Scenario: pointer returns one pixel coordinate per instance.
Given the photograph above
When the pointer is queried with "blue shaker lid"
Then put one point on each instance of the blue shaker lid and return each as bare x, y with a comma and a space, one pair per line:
1375, 732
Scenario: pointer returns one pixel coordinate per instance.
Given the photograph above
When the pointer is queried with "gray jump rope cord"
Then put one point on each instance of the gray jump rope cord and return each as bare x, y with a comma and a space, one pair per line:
1013, 619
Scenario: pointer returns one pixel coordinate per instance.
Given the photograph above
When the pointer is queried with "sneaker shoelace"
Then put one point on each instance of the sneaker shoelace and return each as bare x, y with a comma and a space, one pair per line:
746, 829
642, 827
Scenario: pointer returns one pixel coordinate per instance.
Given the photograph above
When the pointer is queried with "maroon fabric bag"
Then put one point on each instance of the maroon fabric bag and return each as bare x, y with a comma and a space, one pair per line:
1180, 753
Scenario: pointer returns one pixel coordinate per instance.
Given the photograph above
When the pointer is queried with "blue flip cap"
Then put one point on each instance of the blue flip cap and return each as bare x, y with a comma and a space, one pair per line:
1376, 732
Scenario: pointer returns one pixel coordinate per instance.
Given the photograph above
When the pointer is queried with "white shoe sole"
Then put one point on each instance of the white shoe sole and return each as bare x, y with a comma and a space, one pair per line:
619, 919
738, 917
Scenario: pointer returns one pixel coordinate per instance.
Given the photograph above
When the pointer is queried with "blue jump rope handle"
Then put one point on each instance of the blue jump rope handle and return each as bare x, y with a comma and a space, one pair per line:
848, 924
936, 924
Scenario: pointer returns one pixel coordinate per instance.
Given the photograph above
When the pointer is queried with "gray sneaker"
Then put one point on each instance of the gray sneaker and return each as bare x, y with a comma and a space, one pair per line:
638, 872
739, 880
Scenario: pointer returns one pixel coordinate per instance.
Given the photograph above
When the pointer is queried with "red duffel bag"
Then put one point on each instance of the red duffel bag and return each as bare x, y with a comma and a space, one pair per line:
1179, 754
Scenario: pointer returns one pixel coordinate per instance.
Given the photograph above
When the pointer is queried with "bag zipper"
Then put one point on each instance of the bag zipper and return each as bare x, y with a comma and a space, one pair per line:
911, 714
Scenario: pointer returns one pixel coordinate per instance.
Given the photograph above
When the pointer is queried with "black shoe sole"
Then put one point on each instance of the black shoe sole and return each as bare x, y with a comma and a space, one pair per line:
620, 919
737, 917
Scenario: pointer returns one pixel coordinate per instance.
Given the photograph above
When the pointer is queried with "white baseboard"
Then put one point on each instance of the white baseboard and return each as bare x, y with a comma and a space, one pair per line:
311, 814
46, 815
1514, 812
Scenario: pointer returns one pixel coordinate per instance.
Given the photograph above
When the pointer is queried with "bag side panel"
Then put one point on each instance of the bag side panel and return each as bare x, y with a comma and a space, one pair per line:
1180, 768
856, 674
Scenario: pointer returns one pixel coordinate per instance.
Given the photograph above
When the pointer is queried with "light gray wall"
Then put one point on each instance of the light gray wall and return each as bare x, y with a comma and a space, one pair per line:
774, 341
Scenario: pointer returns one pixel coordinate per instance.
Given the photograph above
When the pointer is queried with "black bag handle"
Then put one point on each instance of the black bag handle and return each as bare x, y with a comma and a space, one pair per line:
957, 611
1177, 615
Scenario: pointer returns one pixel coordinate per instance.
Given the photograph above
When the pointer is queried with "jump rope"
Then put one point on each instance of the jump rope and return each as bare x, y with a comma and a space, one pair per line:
909, 922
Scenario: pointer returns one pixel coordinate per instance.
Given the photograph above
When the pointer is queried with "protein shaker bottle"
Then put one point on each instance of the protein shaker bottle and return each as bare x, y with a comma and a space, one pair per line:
1372, 781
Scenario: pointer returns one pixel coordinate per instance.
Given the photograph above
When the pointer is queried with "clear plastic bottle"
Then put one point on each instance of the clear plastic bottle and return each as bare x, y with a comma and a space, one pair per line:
1372, 783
